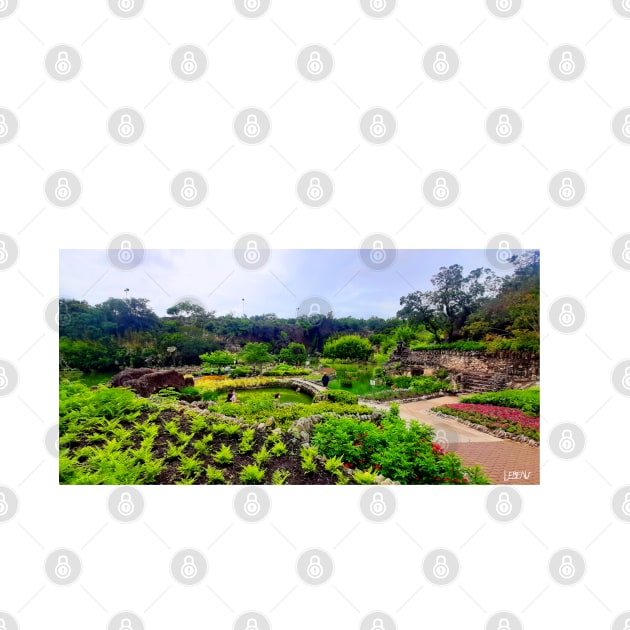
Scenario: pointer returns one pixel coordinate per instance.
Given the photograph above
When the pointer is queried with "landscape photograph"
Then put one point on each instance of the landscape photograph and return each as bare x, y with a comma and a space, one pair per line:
299, 367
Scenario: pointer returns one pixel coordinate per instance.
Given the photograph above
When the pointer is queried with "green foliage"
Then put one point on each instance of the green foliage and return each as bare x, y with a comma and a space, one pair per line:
351, 347
333, 464
190, 467
280, 477
252, 475
255, 352
224, 456
262, 457
364, 477
286, 370
405, 455
429, 385
339, 396
247, 441
528, 400
218, 358
279, 449
214, 475
293, 354
307, 455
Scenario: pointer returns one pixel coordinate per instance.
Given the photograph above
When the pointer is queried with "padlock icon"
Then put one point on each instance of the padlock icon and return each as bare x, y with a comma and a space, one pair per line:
189, 190
626, 625
440, 63
440, 438
567, 63
4, 128
504, 253
4, 506
252, 505
625, 254
3, 625
315, 65
126, 128
126, 255
4, 381
625, 506
504, 127
626, 5
126, 5
377, 624
440, 568
252, 253
315, 190
504, 505
378, 254
63, 65
252, 126
440, 190
4, 254
125, 505
567, 568
189, 568
63, 192
4, 5
315, 569
252, 624
504, 624
504, 5
567, 189
63, 570
378, 128
314, 309
567, 316
252, 5
125, 624
378, 506
378, 5
189, 64
625, 128
626, 378
567, 441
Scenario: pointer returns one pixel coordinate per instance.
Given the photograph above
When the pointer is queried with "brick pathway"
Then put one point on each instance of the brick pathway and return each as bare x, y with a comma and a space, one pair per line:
505, 462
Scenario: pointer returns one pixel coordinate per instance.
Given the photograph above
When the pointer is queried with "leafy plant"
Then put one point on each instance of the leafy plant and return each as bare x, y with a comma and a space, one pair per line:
224, 456
262, 457
214, 475
252, 474
247, 441
365, 477
280, 477
279, 449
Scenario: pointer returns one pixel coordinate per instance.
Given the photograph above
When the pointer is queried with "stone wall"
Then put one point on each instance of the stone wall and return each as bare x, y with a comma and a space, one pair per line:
509, 366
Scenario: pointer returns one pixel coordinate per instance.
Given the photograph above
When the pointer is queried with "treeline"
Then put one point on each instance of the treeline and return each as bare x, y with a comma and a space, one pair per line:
494, 312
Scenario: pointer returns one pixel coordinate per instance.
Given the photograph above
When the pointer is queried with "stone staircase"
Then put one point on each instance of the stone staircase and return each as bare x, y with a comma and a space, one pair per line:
479, 383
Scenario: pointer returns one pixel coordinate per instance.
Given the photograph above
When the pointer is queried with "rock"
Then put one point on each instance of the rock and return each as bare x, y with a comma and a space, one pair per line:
262, 426
145, 381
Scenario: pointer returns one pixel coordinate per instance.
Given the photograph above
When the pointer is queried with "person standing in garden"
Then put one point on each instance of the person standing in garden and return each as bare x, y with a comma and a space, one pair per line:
325, 380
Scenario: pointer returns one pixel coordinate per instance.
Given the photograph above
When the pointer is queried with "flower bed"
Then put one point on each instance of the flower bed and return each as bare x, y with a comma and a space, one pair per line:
493, 417
209, 384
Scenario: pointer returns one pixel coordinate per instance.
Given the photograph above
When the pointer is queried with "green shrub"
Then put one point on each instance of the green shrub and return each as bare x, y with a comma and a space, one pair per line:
339, 396
224, 456
214, 475
280, 477
247, 441
364, 477
407, 455
279, 449
429, 385
262, 457
441, 373
252, 474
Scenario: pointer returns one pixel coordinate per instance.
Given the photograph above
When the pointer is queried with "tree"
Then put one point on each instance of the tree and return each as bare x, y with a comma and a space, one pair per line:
454, 297
218, 358
350, 347
293, 354
254, 353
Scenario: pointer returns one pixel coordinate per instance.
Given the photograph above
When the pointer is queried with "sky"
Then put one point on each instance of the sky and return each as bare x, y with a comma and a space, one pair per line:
290, 278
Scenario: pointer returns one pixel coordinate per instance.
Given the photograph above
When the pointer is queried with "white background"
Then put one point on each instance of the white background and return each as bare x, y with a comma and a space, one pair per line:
377, 189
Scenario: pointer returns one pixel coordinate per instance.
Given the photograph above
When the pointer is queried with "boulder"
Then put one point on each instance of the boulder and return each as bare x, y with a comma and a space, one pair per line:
145, 381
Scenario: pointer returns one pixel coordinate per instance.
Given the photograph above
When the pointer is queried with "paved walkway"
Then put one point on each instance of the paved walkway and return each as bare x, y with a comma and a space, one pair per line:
504, 461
